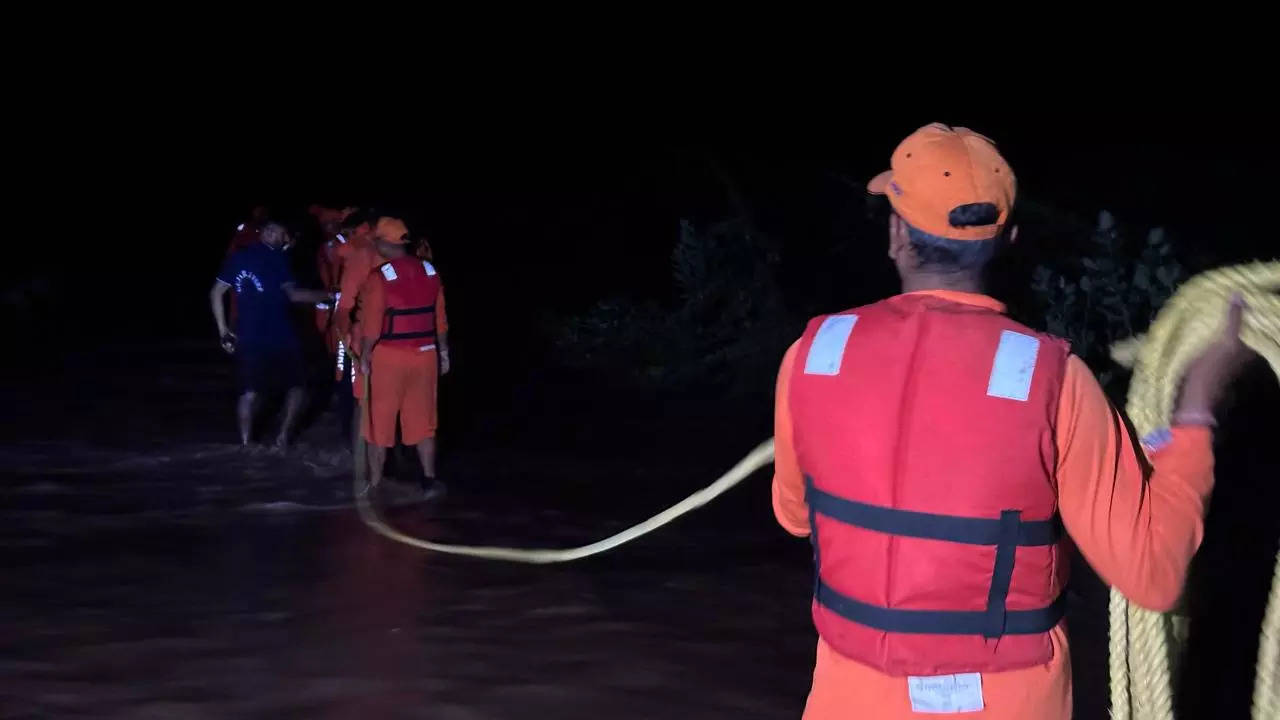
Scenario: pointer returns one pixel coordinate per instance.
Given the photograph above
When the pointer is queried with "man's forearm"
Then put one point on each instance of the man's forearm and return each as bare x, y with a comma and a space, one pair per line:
216, 305
308, 297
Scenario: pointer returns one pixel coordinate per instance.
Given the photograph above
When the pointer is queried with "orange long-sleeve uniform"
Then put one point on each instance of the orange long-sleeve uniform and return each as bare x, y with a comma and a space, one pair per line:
329, 270
358, 260
403, 381
1137, 531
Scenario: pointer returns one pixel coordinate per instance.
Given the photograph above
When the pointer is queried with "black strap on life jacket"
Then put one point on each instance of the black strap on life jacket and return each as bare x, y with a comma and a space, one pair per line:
389, 321
1006, 534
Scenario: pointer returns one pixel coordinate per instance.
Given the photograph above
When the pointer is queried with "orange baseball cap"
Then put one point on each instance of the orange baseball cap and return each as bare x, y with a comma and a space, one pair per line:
938, 170
392, 230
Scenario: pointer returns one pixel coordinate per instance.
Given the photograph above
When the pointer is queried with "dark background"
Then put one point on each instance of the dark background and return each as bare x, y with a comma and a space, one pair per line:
555, 212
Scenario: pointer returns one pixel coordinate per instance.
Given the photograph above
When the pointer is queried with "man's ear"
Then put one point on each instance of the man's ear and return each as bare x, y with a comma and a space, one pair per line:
899, 240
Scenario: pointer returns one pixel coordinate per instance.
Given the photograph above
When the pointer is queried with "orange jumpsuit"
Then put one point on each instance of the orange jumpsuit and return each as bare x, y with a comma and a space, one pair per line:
404, 379
329, 269
358, 260
1138, 533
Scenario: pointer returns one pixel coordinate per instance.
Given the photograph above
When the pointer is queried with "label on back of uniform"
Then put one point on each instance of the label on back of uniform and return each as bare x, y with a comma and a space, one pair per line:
945, 693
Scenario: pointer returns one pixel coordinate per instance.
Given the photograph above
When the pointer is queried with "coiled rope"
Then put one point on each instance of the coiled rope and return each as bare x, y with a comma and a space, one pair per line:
1142, 648
1140, 662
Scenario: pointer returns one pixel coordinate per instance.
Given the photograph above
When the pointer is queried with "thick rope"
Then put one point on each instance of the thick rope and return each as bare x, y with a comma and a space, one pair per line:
1142, 652
756, 459
1266, 689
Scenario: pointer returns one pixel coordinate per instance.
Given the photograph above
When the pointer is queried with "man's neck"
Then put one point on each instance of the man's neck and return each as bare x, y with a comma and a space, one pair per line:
956, 282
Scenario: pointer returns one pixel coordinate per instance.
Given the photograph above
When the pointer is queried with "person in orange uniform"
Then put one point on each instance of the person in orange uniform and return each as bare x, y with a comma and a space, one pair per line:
358, 257
935, 452
329, 270
404, 345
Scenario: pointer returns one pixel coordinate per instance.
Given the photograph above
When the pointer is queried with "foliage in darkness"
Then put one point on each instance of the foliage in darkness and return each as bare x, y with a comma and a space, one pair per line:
1110, 292
729, 318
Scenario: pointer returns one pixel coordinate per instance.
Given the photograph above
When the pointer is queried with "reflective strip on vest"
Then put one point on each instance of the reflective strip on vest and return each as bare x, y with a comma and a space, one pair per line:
1007, 534
429, 268
827, 351
1014, 366
388, 272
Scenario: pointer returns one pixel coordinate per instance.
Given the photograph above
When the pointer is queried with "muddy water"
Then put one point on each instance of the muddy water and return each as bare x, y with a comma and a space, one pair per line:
153, 570
275, 609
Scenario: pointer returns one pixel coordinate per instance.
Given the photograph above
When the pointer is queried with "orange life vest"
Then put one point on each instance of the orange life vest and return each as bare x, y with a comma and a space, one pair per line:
410, 287
924, 428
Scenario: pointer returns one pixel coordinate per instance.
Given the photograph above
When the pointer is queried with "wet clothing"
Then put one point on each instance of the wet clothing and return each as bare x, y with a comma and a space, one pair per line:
1137, 532
258, 275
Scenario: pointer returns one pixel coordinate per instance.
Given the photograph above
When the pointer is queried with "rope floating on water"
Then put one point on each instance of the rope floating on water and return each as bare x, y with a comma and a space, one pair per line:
756, 459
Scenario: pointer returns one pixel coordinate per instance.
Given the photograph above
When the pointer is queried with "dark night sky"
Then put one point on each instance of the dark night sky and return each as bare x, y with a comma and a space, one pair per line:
560, 207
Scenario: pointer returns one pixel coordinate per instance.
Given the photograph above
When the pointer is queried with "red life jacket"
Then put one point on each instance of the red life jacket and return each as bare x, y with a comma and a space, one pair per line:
924, 428
410, 288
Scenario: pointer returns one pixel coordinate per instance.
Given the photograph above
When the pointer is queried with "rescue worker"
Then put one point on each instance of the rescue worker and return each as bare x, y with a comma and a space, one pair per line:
404, 344
266, 346
935, 451
358, 258
329, 270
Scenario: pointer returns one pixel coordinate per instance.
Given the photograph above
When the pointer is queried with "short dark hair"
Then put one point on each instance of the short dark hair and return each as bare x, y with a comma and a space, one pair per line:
948, 255
358, 218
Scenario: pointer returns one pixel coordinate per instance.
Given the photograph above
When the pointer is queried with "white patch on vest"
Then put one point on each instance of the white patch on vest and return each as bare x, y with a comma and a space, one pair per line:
945, 693
388, 272
1014, 366
827, 351
427, 266
425, 348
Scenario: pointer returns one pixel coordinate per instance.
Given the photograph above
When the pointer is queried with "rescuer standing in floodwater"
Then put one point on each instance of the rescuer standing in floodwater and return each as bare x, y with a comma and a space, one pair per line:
268, 354
404, 344
329, 270
359, 257
936, 450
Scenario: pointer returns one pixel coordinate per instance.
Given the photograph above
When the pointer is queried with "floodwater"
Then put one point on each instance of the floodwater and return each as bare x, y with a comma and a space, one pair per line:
153, 570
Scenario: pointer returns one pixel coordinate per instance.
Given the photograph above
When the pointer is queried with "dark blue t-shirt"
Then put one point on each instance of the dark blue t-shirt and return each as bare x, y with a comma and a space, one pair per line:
258, 274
